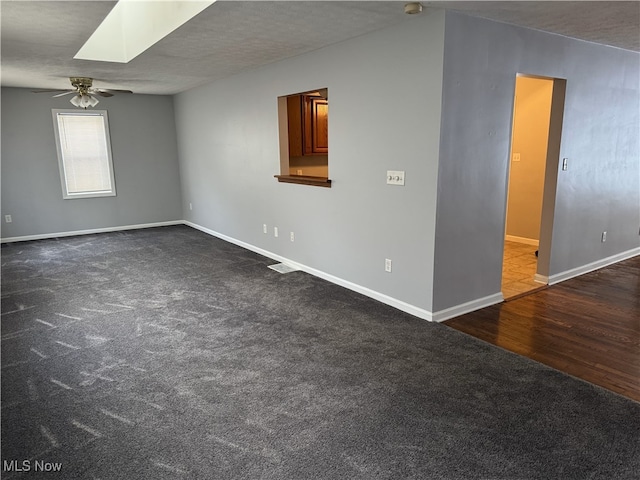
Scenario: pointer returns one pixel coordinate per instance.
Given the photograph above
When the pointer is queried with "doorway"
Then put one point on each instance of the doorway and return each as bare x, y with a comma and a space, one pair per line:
532, 180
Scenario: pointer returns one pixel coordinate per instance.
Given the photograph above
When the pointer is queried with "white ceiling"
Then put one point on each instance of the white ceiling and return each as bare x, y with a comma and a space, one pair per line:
40, 38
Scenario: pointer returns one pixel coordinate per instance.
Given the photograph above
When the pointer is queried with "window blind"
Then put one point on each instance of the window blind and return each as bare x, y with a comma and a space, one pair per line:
85, 153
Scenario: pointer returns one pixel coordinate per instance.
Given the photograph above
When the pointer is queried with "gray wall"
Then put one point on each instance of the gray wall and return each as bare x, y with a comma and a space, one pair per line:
389, 110
384, 114
145, 159
600, 191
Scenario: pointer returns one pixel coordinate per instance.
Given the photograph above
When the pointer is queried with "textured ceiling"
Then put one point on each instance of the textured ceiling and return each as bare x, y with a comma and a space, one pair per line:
610, 23
40, 38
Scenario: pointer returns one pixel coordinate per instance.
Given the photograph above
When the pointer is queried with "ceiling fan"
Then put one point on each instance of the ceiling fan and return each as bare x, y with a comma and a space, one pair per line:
85, 93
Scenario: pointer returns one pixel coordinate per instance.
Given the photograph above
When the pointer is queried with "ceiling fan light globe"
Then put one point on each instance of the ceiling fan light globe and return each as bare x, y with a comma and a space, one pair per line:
85, 102
76, 101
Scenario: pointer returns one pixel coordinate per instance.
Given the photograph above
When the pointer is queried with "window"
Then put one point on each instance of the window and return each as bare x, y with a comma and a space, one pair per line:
84, 153
304, 138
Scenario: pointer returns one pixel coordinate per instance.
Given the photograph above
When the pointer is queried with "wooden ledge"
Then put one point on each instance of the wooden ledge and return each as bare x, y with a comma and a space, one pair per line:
304, 180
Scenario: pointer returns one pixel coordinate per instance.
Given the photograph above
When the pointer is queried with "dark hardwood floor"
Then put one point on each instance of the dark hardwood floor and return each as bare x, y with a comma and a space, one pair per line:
588, 327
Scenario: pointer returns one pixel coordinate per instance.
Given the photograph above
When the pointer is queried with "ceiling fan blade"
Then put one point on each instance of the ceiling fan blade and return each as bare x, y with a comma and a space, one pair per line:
49, 90
102, 93
64, 93
82, 84
112, 90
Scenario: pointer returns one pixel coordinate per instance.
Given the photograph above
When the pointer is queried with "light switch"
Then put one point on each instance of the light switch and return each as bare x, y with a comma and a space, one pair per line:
395, 177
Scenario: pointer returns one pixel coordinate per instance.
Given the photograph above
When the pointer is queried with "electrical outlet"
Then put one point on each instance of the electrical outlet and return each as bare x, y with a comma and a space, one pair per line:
395, 177
8, 219
293, 237
275, 231
516, 157
299, 172
387, 265
190, 206
604, 237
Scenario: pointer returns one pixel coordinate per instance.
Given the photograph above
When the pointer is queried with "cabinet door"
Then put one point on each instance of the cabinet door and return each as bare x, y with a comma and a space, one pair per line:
294, 117
320, 118
316, 121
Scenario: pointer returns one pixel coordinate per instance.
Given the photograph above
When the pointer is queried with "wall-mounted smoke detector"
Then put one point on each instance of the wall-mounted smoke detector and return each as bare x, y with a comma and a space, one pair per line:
412, 8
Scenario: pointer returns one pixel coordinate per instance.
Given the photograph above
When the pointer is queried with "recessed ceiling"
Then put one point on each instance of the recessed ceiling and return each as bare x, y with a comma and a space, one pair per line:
40, 38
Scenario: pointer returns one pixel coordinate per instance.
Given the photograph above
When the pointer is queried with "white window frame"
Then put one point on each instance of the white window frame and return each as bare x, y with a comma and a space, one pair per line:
61, 161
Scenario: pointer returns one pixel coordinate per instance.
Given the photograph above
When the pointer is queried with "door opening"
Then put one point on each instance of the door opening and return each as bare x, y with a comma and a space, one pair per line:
532, 180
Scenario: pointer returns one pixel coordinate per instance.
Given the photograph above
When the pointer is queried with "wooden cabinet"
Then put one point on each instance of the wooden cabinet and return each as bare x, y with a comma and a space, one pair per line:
294, 117
316, 123
308, 118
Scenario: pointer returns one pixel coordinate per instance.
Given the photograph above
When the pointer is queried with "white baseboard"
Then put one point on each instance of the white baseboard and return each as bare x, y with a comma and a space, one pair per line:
541, 279
590, 267
525, 240
439, 316
467, 307
90, 231
381, 297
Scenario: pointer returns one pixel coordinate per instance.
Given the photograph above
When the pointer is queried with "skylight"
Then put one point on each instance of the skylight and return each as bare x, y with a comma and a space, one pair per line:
135, 25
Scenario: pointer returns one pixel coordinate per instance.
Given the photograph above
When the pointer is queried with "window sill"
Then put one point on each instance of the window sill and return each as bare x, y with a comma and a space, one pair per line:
304, 180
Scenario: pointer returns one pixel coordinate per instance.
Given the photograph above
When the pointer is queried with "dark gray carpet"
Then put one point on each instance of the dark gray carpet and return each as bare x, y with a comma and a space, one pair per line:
168, 354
